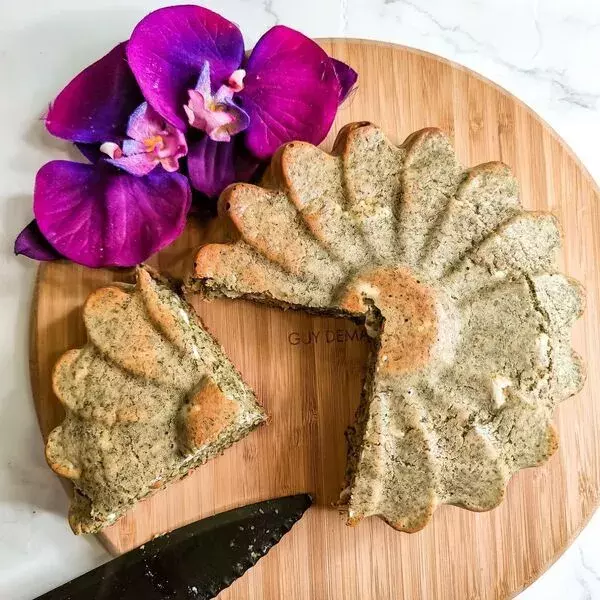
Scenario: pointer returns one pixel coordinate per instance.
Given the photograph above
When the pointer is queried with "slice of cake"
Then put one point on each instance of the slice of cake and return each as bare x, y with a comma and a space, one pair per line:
458, 287
149, 397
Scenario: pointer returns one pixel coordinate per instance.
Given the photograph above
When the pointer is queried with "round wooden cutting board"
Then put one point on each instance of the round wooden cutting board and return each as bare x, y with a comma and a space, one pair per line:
307, 371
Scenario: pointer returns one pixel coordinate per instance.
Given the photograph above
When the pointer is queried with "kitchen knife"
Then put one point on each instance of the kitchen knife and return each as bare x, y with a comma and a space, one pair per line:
193, 562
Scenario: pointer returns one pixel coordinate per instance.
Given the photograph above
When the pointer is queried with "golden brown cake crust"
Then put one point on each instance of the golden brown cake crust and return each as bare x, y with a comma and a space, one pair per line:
408, 310
207, 413
457, 284
149, 397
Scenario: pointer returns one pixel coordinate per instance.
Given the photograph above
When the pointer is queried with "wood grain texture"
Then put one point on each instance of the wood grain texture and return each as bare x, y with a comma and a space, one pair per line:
308, 371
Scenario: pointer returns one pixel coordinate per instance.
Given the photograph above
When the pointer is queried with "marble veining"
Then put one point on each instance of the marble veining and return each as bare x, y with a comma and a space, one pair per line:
268, 6
470, 44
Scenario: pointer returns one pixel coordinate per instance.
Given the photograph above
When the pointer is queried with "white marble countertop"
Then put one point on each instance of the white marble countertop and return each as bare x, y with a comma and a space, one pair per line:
546, 52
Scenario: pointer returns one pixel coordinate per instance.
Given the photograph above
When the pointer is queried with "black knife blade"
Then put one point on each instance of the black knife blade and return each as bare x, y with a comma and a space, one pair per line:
194, 562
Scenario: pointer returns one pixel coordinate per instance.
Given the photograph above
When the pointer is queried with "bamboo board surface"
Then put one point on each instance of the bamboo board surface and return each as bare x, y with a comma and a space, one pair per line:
308, 370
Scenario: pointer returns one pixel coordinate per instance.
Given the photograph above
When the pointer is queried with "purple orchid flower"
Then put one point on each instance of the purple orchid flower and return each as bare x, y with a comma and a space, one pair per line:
182, 80
191, 67
30, 242
130, 202
150, 142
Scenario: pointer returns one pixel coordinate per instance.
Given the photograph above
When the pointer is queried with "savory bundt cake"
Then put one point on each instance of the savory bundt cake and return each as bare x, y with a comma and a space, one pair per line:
457, 287
149, 397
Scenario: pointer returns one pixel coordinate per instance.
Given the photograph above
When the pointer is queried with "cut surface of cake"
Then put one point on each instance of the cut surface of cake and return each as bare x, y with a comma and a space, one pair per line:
458, 288
149, 397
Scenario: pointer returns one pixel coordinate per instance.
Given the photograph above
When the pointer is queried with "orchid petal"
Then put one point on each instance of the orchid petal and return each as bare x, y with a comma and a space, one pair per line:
132, 147
144, 122
95, 105
170, 164
98, 216
220, 121
290, 91
346, 77
240, 119
203, 84
214, 165
31, 243
174, 144
136, 164
168, 49
223, 94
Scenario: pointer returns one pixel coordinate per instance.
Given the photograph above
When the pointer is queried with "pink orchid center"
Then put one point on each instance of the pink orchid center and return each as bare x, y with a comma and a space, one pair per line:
154, 143
217, 114
150, 142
